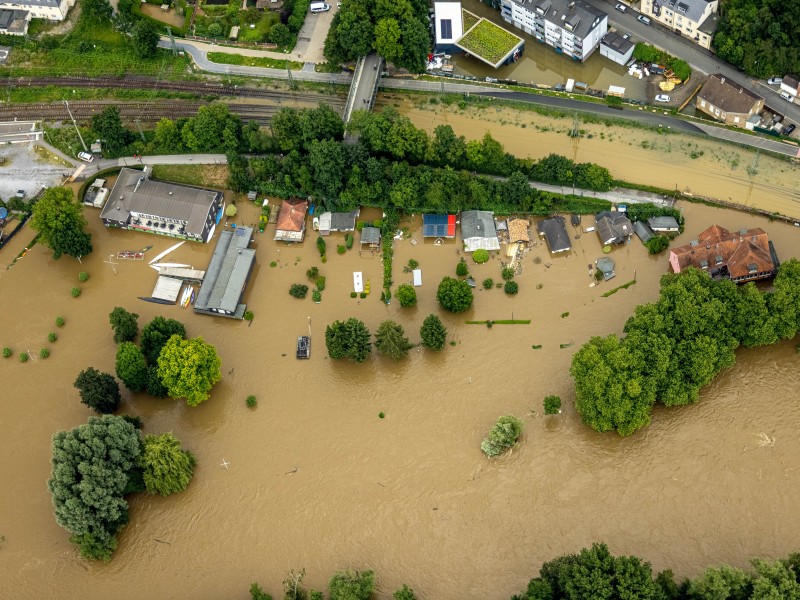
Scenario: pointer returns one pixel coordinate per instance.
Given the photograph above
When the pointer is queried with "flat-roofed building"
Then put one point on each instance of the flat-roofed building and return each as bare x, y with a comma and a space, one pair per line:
227, 275
617, 48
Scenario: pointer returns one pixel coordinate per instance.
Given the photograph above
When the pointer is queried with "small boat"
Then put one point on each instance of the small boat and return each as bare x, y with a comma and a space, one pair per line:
160, 266
145, 249
304, 346
184, 302
156, 300
191, 300
167, 251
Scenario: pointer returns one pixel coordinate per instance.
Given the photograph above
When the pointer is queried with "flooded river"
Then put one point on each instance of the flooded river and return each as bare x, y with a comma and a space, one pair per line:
315, 479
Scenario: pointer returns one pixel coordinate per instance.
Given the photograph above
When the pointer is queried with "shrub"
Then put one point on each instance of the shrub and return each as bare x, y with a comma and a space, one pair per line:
251, 401
324, 259
316, 296
312, 273
51, 337
273, 264
248, 315
348, 240
76, 291
44, 353
504, 435
230, 211
298, 290
6, 352
23, 357
412, 264
320, 283
321, 245
381, 415
461, 269
488, 283
353, 295
552, 405
83, 276
341, 249
511, 287
377, 223
406, 295
657, 244
480, 256
59, 321
507, 273
363, 294
359, 225
454, 295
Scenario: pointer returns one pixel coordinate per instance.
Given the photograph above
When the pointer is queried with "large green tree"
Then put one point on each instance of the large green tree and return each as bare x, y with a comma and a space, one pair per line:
189, 368
145, 39
99, 391
454, 295
214, 129
433, 333
125, 324
348, 339
91, 467
131, 367
352, 585
406, 295
96, 11
784, 302
391, 341
156, 334
59, 220
107, 126
167, 468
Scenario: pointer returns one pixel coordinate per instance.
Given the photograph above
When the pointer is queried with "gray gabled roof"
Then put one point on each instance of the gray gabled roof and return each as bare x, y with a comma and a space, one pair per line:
662, 223
344, 221
477, 224
227, 272
643, 231
370, 235
554, 231
612, 226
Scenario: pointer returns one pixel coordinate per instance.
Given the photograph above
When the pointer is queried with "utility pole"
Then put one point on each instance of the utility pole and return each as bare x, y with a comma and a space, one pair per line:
78, 131
752, 171
292, 83
172, 41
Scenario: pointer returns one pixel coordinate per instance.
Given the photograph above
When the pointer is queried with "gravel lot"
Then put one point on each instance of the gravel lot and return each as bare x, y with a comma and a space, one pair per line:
29, 168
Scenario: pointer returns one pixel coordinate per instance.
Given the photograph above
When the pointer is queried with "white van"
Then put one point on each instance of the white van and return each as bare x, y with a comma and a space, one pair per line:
85, 156
318, 7
787, 96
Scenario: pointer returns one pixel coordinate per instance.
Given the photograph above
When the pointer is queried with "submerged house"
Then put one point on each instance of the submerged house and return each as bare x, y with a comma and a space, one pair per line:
291, 224
613, 227
371, 236
478, 230
554, 230
643, 230
439, 226
745, 255
337, 221
227, 275
518, 231
663, 224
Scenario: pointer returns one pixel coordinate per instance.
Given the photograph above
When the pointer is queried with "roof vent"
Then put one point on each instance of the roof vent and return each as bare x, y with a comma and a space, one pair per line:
694, 243
743, 231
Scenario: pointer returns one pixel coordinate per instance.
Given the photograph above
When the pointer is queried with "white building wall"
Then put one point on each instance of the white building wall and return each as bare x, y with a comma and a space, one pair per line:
54, 11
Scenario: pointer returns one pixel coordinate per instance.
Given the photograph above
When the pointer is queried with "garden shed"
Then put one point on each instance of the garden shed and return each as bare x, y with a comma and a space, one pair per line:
370, 236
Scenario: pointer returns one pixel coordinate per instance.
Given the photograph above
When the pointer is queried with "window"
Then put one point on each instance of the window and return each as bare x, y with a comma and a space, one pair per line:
447, 29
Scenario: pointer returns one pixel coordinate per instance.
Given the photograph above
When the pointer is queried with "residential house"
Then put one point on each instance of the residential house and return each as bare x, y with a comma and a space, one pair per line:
572, 27
370, 236
554, 230
791, 85
478, 230
439, 226
617, 48
744, 255
337, 221
663, 224
694, 19
52, 10
291, 223
227, 275
449, 25
14, 22
606, 266
518, 231
612, 227
144, 204
728, 101
643, 230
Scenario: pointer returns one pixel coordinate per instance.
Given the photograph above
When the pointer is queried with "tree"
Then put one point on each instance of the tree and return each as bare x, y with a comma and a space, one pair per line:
387, 40
167, 137
156, 334
480, 256
326, 159
131, 367
433, 333
279, 34
96, 11
91, 467
189, 369
462, 270
352, 585
60, 222
125, 325
214, 30
99, 391
406, 295
404, 593
723, 582
167, 468
552, 405
256, 593
454, 295
145, 39
107, 126
213, 128
511, 288
504, 435
775, 580
657, 244
349, 339
784, 302
390, 340
153, 385
298, 290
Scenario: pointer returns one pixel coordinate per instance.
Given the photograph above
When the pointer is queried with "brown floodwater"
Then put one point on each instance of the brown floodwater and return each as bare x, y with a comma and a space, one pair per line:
316, 479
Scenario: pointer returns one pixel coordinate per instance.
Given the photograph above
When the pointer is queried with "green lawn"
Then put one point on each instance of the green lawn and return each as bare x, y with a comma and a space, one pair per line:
252, 61
489, 41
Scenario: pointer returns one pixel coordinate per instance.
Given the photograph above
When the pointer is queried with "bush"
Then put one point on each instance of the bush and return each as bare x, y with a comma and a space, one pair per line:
76, 291
488, 283
251, 401
504, 435
341, 249
312, 273
273, 264
461, 269
23, 357
480, 256
454, 295
298, 290
51, 337
44, 353
406, 295
316, 296
6, 352
552, 405
324, 259
511, 287
248, 315
59, 321
321, 246
320, 283
412, 264
83, 276
363, 294
360, 225
657, 244
377, 223
348, 240
353, 295
507, 273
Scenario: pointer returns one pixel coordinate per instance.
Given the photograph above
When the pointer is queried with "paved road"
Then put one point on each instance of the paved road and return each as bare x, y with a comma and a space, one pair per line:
169, 159
700, 59
362, 95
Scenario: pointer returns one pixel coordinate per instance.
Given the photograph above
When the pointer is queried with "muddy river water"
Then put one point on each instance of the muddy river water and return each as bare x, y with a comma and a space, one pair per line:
316, 479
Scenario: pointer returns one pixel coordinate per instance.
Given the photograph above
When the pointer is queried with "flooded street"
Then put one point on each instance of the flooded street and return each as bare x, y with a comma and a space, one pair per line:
315, 479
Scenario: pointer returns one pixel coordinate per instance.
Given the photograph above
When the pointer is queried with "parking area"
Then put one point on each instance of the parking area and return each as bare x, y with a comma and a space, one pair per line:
28, 168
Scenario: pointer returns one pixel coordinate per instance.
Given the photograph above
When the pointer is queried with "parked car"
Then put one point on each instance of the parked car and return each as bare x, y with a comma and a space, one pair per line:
318, 7
662, 98
620, 7
85, 156
789, 129
774, 80
787, 96
643, 19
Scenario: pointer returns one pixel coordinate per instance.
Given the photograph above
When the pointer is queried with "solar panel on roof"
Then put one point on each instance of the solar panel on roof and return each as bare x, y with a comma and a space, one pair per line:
240, 231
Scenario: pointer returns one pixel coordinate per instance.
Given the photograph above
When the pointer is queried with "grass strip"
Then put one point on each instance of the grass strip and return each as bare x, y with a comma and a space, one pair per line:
624, 286
501, 322
253, 61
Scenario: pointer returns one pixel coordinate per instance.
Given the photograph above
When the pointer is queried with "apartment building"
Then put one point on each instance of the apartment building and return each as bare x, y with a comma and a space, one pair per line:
52, 10
694, 19
573, 28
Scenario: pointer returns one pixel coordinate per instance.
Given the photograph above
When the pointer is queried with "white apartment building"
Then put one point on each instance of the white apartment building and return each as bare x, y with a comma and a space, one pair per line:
694, 19
52, 10
571, 27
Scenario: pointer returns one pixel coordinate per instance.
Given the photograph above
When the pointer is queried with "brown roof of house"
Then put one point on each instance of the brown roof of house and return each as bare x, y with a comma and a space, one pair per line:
292, 216
728, 95
739, 251
518, 230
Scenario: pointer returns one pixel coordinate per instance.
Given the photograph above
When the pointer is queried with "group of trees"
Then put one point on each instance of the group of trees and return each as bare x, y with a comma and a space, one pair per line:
95, 465
58, 219
762, 37
675, 346
344, 585
397, 30
351, 339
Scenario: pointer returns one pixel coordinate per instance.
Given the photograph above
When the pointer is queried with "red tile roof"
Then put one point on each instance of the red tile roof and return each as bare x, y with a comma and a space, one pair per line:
745, 253
292, 216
